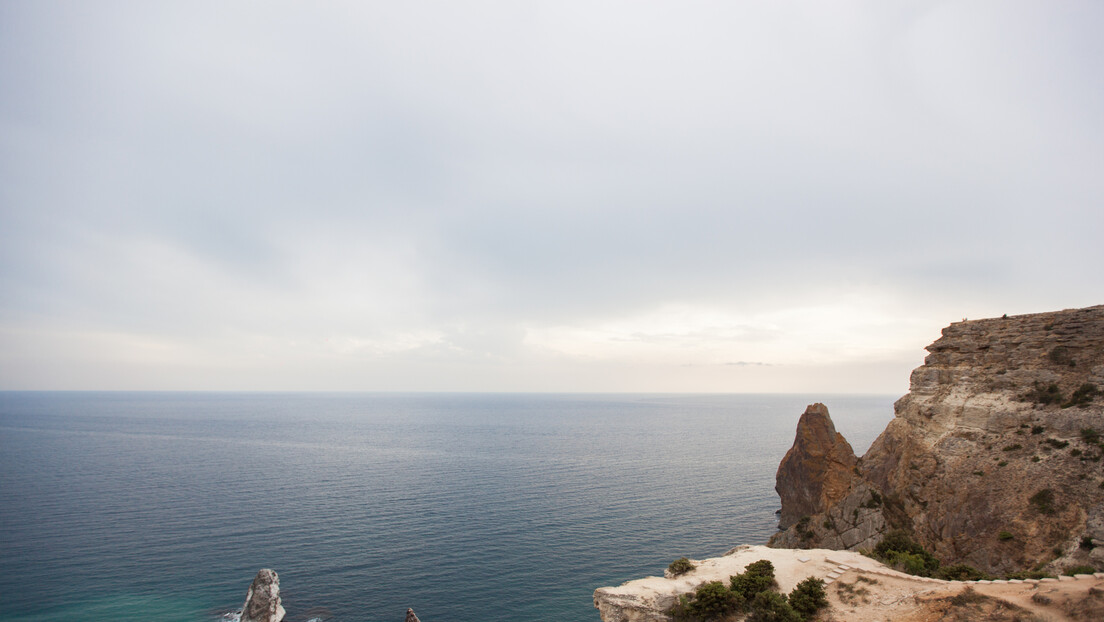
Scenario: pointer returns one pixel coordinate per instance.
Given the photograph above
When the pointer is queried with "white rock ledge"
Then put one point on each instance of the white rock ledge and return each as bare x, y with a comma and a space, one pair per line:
648, 599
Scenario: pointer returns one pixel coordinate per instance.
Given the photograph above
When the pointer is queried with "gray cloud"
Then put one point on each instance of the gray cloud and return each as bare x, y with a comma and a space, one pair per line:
448, 180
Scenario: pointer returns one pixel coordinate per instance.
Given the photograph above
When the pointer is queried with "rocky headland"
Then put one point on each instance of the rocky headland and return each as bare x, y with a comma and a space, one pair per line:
993, 460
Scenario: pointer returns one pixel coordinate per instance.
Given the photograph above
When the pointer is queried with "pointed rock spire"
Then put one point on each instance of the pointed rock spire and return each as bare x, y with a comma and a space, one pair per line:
410, 617
817, 471
262, 602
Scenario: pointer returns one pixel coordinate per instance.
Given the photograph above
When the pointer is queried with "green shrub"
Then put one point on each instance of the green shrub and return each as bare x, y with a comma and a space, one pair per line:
1037, 429
757, 577
710, 601
680, 566
1072, 570
1057, 444
1087, 543
1045, 394
1028, 574
772, 607
1089, 435
898, 549
1043, 501
960, 572
1013, 447
1005, 535
1060, 355
808, 597
1082, 397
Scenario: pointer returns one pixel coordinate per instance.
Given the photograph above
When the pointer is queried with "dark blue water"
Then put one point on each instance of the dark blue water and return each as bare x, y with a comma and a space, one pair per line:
139, 506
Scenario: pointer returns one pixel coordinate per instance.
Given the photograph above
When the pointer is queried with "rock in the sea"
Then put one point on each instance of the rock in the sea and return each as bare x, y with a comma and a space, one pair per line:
262, 602
993, 458
817, 471
411, 617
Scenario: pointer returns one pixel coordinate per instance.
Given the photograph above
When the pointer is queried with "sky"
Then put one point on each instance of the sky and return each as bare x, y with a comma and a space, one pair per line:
540, 196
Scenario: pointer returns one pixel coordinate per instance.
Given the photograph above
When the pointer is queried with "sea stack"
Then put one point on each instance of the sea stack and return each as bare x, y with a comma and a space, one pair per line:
818, 469
411, 617
262, 602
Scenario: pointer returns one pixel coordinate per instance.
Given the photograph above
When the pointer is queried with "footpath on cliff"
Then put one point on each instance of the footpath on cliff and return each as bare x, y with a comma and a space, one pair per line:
992, 463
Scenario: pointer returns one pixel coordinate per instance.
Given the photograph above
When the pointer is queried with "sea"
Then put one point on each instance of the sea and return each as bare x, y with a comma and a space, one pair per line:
466, 507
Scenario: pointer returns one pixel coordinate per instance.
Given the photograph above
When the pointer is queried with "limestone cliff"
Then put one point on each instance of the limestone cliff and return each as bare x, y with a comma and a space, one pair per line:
993, 457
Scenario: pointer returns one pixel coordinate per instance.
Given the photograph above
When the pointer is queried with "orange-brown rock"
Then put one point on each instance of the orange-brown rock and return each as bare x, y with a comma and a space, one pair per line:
817, 471
995, 455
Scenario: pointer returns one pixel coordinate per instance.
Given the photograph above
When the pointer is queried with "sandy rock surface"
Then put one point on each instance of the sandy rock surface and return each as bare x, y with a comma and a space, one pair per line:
861, 589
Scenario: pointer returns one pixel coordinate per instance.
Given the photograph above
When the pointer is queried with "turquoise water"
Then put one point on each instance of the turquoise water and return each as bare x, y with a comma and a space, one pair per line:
466, 507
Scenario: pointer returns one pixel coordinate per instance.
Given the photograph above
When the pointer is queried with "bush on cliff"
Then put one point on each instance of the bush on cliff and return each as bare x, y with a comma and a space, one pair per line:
680, 566
1083, 396
753, 590
711, 601
808, 597
1043, 501
756, 577
898, 549
960, 572
1044, 394
772, 607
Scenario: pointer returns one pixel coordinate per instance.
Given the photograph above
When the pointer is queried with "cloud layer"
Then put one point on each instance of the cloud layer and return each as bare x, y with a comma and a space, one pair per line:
562, 196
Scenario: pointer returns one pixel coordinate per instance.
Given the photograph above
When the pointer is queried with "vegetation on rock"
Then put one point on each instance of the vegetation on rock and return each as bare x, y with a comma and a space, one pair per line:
772, 607
1043, 501
960, 572
757, 577
753, 592
808, 597
1045, 394
711, 601
1083, 396
897, 549
1082, 569
680, 566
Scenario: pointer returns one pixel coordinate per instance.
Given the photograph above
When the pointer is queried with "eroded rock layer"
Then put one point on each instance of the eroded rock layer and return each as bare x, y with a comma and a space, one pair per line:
993, 457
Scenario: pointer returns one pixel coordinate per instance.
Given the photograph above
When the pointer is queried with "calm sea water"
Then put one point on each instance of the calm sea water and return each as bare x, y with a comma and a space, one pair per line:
466, 507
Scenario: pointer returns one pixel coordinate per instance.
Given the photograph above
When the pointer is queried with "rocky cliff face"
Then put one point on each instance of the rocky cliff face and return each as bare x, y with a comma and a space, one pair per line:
993, 458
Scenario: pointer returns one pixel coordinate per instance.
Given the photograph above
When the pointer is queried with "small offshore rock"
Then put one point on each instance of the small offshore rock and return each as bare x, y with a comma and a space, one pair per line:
411, 617
262, 602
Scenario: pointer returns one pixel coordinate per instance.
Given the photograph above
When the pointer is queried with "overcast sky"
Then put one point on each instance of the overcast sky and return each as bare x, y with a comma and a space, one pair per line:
537, 196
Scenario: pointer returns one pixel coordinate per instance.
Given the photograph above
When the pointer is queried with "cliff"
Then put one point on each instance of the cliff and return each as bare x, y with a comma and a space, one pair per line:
993, 458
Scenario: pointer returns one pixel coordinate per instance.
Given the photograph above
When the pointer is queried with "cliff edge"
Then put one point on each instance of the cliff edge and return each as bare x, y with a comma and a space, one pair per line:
993, 458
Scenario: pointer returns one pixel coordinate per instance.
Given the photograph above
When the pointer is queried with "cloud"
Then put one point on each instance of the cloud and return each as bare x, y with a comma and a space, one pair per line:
537, 196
